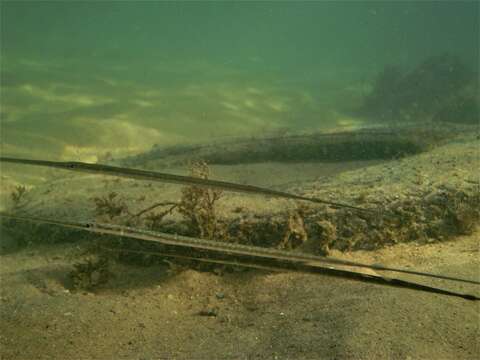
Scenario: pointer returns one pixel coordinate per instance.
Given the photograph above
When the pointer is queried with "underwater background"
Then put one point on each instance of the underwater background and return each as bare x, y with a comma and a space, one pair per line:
82, 80
297, 138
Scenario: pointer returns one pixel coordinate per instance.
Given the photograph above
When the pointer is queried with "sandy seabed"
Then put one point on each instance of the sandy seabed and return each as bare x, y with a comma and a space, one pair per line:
151, 313
156, 312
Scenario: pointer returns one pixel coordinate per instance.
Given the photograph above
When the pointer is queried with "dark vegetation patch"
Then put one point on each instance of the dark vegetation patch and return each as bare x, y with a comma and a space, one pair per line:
371, 144
335, 147
441, 88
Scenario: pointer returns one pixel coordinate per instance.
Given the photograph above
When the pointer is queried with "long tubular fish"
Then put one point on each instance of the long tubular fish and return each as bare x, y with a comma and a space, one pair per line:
307, 268
283, 259
171, 178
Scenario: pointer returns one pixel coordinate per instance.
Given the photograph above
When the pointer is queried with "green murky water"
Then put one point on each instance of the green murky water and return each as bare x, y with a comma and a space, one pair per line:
81, 79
